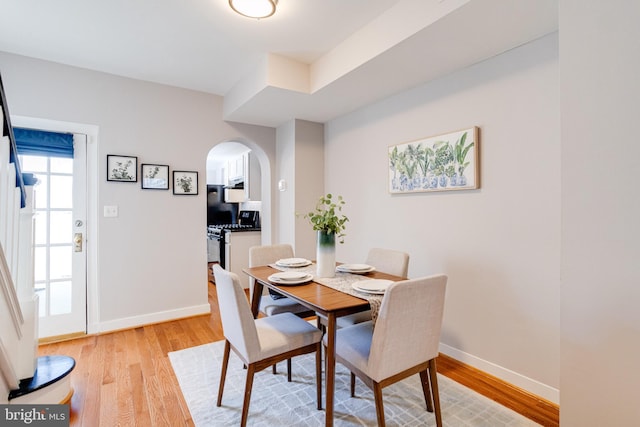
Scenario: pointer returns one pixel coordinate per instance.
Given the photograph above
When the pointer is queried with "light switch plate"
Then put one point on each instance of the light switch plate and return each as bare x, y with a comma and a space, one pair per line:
110, 211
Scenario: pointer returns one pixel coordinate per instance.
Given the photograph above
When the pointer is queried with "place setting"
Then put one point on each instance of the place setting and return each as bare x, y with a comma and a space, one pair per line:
372, 286
293, 262
355, 268
290, 277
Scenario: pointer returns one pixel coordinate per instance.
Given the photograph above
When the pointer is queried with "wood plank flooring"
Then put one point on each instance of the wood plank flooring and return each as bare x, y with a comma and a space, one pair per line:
125, 378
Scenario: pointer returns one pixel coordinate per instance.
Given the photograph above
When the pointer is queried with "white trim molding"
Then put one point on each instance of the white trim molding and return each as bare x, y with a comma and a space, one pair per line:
536, 387
151, 318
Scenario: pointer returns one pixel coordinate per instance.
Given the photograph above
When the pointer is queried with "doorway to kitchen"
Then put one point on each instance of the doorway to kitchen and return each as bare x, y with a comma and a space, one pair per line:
234, 205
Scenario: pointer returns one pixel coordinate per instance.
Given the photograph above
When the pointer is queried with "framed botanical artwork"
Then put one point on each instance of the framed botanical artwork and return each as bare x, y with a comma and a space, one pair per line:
437, 163
185, 182
122, 168
154, 177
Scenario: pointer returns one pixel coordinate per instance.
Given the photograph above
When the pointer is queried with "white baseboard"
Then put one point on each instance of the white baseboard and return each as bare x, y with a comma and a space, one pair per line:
147, 319
532, 386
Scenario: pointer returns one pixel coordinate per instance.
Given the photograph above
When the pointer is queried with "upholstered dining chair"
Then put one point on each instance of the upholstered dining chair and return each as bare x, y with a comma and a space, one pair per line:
388, 261
260, 343
272, 303
404, 341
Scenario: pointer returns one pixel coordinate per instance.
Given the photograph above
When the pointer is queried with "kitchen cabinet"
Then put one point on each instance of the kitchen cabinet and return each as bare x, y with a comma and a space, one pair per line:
236, 168
245, 168
237, 244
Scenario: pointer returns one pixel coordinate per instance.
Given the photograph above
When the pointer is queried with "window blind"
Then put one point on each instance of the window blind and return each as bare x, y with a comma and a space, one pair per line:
43, 143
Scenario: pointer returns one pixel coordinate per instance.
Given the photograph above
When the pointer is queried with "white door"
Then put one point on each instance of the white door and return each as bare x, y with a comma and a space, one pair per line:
60, 252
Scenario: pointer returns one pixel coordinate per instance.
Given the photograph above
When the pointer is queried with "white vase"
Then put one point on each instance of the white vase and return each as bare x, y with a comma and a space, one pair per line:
326, 254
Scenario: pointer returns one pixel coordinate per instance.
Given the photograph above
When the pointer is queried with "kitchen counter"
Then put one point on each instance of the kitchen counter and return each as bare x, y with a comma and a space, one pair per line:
237, 244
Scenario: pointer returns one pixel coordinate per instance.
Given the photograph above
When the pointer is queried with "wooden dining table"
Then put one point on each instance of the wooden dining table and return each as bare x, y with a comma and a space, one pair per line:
325, 301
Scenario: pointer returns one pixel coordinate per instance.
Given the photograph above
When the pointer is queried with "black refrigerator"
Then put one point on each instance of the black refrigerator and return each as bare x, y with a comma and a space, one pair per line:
219, 212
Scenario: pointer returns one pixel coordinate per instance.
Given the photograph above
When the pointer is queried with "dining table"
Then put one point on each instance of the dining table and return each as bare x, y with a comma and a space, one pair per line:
328, 301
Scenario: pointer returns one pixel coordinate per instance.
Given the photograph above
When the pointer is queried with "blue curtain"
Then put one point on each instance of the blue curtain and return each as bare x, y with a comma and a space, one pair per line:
43, 143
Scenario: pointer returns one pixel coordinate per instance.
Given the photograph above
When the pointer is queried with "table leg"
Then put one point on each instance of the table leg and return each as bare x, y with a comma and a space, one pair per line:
330, 368
256, 297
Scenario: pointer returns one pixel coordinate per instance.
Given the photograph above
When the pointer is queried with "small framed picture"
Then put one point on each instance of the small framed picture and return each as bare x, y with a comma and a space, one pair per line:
185, 182
122, 168
154, 177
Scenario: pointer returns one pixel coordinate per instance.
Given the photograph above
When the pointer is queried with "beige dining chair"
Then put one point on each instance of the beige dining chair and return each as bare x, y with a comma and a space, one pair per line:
388, 261
260, 343
271, 304
404, 341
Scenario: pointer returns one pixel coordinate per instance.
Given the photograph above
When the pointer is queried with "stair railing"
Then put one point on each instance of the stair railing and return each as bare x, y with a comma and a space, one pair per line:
18, 302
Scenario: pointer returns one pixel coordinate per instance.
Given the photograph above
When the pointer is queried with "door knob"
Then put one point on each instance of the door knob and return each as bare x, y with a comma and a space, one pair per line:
77, 242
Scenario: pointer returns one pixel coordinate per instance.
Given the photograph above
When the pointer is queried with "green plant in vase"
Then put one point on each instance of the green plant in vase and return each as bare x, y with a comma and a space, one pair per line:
327, 216
329, 222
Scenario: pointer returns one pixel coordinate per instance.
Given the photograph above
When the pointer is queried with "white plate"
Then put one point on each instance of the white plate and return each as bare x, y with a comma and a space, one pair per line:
373, 286
293, 262
355, 268
289, 275
284, 278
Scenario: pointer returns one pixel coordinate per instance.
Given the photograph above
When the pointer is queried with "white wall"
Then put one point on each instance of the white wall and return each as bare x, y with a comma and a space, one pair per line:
285, 170
301, 164
309, 167
152, 258
600, 65
499, 245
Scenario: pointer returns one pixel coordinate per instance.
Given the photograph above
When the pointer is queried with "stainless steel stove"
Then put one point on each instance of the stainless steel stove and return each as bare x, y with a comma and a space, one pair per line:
221, 228
219, 241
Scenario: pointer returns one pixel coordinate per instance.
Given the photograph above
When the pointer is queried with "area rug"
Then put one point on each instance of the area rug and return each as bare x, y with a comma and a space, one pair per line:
276, 402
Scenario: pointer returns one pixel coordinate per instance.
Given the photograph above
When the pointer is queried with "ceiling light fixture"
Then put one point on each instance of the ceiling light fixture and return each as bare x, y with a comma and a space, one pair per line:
254, 8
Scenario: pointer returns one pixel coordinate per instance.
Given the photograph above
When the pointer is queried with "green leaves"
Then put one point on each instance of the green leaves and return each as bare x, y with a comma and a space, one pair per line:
327, 217
461, 153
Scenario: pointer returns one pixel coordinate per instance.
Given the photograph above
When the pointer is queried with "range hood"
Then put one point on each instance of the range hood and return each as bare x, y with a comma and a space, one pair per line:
234, 195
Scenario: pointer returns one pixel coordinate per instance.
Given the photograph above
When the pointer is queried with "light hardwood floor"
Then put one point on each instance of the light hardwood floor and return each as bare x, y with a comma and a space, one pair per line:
125, 378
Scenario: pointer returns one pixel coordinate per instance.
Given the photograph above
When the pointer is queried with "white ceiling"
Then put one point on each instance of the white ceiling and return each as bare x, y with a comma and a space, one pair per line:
312, 60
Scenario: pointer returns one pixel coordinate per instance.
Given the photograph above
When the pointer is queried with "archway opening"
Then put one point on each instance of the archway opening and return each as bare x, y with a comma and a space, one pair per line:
238, 207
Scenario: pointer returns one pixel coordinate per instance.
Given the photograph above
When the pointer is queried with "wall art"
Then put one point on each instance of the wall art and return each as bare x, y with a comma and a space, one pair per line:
185, 182
122, 168
154, 177
438, 163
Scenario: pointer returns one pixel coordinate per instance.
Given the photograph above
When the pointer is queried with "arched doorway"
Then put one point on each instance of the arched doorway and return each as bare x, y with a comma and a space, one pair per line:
237, 174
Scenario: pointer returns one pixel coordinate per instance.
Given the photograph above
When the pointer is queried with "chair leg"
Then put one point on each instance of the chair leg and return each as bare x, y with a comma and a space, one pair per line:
247, 394
275, 370
288, 370
319, 375
377, 394
433, 373
353, 384
424, 380
223, 374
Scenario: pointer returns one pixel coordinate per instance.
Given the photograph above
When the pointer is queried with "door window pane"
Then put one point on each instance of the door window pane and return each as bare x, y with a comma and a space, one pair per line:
60, 262
61, 192
33, 163
60, 298
60, 227
61, 165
